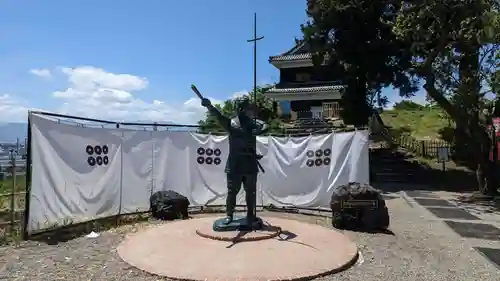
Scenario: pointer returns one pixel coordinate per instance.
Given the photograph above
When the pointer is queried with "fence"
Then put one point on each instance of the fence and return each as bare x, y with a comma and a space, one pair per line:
12, 198
15, 175
15, 186
423, 148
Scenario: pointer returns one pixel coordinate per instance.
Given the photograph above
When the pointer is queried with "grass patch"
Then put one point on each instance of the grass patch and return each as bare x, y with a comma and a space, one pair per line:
8, 235
426, 123
6, 191
6, 184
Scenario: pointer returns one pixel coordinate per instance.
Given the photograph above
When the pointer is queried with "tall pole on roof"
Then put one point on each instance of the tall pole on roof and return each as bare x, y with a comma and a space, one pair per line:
254, 40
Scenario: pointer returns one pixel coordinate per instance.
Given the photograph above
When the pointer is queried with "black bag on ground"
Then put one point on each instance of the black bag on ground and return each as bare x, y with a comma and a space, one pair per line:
357, 206
169, 205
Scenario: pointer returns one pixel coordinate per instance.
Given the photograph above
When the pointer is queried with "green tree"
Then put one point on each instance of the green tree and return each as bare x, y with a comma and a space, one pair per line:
210, 124
441, 42
429, 102
408, 105
494, 82
355, 38
448, 42
266, 111
377, 100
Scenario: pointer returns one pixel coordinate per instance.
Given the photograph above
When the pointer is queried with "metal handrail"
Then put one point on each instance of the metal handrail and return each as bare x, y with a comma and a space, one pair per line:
10, 193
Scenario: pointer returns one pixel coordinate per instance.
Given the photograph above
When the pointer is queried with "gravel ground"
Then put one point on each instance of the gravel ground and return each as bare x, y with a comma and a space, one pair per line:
422, 248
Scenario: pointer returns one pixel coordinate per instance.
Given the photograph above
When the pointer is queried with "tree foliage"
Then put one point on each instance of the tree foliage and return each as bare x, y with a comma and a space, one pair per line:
357, 37
266, 111
452, 46
408, 105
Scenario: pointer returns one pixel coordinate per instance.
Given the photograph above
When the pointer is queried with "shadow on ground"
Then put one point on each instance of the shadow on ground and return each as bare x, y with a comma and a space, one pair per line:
373, 231
71, 231
394, 170
478, 203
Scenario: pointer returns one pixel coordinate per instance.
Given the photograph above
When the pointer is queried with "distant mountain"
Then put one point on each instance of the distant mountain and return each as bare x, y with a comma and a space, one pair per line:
9, 132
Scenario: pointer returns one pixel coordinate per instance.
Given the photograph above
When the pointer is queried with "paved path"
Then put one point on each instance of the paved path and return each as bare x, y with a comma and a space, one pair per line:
482, 217
423, 248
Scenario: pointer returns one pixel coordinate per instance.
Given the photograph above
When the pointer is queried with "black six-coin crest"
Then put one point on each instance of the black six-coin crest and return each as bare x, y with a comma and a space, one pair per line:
208, 156
318, 157
98, 155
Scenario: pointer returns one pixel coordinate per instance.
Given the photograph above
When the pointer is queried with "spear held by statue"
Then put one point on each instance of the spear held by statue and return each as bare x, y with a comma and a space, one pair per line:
263, 126
195, 90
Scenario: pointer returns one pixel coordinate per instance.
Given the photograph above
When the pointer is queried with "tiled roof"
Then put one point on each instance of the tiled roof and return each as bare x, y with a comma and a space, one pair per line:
298, 52
291, 57
305, 89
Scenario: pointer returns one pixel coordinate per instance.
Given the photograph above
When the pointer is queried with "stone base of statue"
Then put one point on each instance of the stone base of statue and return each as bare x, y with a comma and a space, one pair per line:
284, 249
238, 224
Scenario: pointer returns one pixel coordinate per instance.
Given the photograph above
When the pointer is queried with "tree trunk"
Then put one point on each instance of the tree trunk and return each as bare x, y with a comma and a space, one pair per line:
482, 171
468, 95
475, 129
355, 108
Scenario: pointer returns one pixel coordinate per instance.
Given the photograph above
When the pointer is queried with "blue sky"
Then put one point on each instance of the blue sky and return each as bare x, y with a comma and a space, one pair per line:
136, 60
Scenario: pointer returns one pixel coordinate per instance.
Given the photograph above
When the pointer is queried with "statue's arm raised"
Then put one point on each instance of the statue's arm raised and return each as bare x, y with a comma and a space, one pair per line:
223, 121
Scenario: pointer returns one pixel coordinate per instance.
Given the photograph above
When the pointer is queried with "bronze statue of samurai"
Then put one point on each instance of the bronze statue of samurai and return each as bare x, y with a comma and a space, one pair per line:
242, 166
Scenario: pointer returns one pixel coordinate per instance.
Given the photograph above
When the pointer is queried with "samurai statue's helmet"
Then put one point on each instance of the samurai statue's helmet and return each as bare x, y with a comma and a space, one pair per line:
243, 108
241, 105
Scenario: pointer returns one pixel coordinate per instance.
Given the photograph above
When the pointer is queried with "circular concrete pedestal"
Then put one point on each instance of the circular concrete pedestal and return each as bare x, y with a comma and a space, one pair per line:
300, 251
206, 230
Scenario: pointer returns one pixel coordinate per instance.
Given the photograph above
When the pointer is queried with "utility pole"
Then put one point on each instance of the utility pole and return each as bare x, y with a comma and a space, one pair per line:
254, 40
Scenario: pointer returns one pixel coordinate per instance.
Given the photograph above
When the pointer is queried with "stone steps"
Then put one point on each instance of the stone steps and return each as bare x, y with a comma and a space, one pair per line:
390, 166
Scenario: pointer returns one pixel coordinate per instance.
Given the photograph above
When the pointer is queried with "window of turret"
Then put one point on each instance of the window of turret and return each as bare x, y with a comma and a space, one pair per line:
302, 77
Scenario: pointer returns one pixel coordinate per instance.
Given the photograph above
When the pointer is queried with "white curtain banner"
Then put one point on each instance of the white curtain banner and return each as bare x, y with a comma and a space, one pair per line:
76, 173
192, 165
304, 171
137, 170
80, 174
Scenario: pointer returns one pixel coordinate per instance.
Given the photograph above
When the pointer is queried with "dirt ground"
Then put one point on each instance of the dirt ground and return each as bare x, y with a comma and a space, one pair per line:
422, 248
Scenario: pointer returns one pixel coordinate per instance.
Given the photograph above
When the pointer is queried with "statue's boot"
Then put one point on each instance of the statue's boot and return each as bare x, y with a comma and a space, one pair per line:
228, 219
251, 217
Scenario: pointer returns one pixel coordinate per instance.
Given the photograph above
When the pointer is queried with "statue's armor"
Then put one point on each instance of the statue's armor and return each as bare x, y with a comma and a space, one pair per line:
243, 156
242, 164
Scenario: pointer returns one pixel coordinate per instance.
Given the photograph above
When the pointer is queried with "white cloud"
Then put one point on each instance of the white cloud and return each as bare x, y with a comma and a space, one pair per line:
88, 77
239, 94
41, 72
96, 93
13, 109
